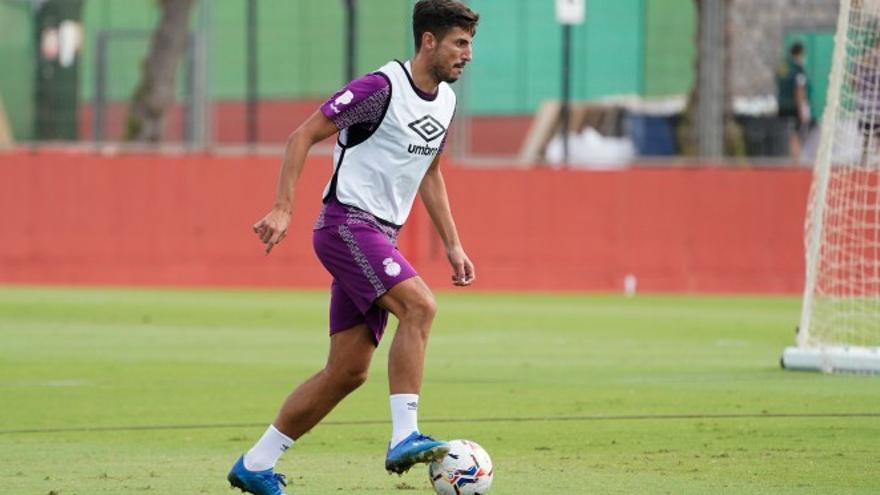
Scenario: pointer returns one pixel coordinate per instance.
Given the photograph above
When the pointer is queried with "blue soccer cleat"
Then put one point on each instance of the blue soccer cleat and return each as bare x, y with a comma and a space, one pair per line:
257, 482
414, 449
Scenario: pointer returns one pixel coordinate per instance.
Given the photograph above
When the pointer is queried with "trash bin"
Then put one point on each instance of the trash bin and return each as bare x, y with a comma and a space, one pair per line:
652, 135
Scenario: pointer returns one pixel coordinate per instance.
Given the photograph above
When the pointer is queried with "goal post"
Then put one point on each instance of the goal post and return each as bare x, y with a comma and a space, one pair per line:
839, 329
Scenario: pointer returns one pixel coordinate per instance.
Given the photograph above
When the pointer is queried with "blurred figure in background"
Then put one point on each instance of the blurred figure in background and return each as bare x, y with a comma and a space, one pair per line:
793, 96
59, 40
866, 83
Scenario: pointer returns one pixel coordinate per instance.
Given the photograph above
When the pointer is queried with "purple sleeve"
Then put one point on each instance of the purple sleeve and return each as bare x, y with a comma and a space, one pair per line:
362, 101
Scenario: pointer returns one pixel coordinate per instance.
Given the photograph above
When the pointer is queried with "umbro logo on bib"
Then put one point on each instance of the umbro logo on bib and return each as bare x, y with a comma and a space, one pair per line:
428, 128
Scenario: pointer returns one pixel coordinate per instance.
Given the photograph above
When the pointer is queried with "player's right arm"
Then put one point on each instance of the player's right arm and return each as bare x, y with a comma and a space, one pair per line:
272, 228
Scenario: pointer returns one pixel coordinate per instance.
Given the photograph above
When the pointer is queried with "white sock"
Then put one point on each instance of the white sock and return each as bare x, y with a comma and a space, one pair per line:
265, 453
404, 416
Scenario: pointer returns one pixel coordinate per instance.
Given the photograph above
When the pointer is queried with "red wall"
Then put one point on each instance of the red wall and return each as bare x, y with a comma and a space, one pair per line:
168, 220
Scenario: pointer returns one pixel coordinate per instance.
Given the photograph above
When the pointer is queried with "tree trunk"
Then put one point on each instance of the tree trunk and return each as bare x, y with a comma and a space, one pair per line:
688, 130
155, 91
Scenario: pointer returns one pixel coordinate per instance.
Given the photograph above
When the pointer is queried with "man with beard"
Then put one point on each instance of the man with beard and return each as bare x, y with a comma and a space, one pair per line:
392, 126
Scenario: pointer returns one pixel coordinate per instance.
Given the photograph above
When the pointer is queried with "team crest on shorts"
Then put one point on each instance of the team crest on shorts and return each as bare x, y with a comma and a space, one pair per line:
392, 268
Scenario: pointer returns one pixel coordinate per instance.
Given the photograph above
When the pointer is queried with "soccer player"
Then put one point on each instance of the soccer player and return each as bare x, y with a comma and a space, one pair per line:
392, 126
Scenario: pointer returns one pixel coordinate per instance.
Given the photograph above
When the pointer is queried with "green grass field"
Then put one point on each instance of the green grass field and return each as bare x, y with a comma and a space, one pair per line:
143, 391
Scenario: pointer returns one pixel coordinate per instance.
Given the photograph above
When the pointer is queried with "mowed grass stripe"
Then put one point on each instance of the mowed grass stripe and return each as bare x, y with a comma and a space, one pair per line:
547, 419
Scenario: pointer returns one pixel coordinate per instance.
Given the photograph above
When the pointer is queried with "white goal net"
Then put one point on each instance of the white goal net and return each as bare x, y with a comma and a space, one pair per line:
840, 322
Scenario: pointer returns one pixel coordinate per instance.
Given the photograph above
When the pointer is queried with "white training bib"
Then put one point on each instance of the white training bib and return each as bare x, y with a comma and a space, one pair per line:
382, 173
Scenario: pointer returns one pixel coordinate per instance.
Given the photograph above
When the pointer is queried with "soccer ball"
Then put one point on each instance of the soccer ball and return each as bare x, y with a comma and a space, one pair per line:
466, 470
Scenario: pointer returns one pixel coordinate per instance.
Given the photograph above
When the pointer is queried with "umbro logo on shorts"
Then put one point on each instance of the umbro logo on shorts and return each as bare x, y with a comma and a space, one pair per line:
428, 128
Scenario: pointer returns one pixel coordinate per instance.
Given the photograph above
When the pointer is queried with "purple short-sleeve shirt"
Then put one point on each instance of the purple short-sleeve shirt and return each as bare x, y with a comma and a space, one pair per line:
361, 104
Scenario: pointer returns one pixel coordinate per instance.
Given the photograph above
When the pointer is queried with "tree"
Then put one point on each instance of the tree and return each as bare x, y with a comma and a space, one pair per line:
690, 129
155, 91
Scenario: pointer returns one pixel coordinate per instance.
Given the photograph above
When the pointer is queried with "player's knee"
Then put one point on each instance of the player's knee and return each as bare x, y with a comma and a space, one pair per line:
421, 309
349, 378
356, 378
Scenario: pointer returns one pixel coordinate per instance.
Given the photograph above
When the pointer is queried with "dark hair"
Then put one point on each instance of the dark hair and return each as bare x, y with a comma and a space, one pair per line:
439, 16
796, 48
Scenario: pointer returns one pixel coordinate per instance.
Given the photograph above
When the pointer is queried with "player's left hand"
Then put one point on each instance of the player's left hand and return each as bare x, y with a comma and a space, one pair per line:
463, 273
272, 228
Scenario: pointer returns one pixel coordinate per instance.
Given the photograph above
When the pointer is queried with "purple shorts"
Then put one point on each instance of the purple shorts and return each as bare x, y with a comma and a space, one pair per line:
363, 258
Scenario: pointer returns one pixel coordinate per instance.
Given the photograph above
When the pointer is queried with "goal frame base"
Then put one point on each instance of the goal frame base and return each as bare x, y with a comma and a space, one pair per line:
833, 359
